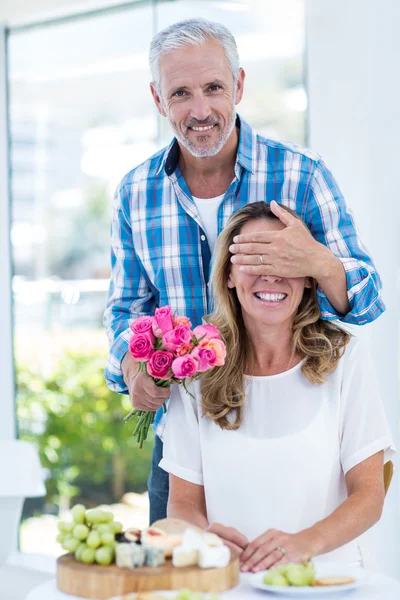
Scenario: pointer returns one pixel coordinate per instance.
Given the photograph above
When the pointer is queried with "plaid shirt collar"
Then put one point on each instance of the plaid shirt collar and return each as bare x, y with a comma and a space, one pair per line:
246, 153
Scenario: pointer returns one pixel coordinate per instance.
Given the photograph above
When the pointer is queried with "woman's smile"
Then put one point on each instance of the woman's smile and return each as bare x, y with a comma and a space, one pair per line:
270, 298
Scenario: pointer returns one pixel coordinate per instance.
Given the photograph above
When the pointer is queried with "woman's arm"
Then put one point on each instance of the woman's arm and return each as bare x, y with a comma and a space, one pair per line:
187, 502
361, 510
356, 514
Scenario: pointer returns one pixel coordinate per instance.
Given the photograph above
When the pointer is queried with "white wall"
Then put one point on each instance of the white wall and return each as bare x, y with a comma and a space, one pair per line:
353, 58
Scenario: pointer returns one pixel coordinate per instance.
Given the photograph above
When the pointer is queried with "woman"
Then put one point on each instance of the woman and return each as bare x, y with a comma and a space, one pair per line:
282, 450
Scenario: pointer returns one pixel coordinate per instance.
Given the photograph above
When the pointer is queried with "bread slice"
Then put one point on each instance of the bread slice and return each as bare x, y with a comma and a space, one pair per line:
174, 526
333, 581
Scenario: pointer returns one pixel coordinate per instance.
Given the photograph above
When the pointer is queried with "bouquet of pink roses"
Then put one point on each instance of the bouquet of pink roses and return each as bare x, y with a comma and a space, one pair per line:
170, 351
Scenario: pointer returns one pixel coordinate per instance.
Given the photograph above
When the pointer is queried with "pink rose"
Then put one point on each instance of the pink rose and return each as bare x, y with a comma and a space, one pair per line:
156, 330
176, 338
206, 358
184, 366
141, 346
178, 320
159, 365
163, 317
143, 325
185, 349
219, 348
207, 332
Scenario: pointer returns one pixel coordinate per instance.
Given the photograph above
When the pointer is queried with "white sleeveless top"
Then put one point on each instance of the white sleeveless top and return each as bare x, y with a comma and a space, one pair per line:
284, 467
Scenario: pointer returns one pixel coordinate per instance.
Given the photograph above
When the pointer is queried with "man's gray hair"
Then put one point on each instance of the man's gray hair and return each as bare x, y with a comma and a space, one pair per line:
192, 32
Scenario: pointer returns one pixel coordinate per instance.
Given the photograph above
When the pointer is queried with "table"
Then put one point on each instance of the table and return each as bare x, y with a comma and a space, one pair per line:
376, 587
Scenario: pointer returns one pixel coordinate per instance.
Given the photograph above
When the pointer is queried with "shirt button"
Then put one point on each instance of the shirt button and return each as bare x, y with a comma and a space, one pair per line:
203, 238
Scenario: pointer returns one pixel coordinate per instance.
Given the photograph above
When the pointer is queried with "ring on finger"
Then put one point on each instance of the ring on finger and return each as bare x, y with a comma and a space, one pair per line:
282, 550
261, 259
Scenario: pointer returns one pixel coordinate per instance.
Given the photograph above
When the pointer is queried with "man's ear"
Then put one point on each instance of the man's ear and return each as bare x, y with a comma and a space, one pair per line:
239, 86
157, 99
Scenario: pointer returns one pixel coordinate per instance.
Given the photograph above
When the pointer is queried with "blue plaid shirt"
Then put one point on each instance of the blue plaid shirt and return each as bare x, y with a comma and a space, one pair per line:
159, 250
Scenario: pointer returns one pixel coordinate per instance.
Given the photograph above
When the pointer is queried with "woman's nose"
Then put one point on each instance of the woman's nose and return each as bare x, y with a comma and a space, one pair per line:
271, 278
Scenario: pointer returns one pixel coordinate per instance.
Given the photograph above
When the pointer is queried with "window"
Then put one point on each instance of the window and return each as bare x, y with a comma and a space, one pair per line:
81, 116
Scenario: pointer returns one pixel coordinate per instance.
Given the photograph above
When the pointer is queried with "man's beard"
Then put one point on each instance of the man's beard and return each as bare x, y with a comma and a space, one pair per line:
209, 150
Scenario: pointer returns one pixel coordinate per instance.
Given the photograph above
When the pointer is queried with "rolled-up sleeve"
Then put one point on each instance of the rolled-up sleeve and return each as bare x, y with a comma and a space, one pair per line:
129, 293
331, 223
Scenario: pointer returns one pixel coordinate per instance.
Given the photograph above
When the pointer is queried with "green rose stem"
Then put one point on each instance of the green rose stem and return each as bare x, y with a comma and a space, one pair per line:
145, 419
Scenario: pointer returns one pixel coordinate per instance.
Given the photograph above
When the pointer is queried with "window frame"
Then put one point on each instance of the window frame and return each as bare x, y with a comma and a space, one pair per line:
8, 422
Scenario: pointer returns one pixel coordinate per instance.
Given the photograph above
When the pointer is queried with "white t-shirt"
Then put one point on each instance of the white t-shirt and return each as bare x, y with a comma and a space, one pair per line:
284, 467
208, 211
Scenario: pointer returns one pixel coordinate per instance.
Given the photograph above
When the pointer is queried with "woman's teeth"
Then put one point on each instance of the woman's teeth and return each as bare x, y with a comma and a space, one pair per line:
271, 297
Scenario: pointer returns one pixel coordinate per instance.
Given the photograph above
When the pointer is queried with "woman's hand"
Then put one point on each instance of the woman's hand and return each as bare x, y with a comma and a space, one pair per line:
274, 548
230, 536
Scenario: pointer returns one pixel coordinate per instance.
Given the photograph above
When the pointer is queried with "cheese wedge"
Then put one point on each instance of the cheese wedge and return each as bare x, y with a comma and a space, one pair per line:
184, 557
211, 557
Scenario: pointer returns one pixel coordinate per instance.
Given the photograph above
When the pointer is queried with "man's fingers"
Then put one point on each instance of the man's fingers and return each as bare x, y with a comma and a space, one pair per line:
149, 387
283, 215
251, 259
250, 248
259, 237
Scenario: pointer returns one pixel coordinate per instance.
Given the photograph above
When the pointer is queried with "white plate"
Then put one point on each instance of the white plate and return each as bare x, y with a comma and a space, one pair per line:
322, 570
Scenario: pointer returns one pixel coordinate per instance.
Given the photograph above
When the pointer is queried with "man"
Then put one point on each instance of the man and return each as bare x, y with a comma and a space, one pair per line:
169, 210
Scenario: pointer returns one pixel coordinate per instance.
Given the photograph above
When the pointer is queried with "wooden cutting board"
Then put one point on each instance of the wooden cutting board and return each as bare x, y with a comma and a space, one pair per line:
95, 581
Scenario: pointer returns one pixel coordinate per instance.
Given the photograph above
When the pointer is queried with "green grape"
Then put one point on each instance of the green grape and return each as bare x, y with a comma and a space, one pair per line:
93, 539
107, 539
299, 574
272, 577
60, 526
116, 526
79, 550
80, 532
104, 528
88, 556
104, 556
107, 516
60, 538
94, 516
71, 544
68, 527
78, 513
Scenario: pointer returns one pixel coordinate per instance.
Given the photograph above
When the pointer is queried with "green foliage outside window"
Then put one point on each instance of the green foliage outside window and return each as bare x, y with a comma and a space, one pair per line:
76, 421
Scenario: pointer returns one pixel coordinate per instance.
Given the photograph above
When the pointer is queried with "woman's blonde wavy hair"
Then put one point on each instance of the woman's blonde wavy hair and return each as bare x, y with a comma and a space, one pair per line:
320, 343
